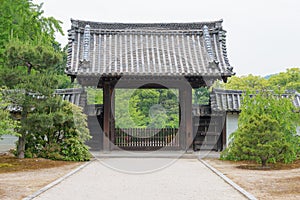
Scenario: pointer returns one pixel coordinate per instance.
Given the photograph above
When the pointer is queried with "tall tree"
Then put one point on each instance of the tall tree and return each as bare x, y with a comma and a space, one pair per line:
27, 95
28, 46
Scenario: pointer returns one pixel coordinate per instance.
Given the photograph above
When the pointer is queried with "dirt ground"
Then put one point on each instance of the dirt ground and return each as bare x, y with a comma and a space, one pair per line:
20, 178
263, 184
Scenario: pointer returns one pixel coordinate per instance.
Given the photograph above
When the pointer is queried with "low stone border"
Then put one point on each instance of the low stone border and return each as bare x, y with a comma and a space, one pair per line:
229, 181
49, 186
144, 154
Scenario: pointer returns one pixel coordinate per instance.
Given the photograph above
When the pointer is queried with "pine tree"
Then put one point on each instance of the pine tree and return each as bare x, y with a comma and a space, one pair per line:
266, 130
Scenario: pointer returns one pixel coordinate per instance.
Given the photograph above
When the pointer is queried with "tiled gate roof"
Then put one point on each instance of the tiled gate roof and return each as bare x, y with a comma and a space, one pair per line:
165, 49
230, 100
72, 95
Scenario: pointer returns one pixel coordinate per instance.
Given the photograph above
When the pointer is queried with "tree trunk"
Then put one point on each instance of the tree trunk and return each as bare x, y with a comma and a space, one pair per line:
29, 67
21, 146
264, 163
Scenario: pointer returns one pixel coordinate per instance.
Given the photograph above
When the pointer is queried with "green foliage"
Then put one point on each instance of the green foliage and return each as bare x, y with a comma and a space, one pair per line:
247, 83
95, 96
16, 78
156, 108
169, 112
57, 129
289, 80
137, 117
32, 65
147, 98
27, 40
201, 96
75, 150
63, 81
266, 130
33, 56
10, 77
7, 124
122, 109
24, 20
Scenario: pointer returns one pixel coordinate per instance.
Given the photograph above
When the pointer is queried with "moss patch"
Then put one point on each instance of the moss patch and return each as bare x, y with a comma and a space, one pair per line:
10, 163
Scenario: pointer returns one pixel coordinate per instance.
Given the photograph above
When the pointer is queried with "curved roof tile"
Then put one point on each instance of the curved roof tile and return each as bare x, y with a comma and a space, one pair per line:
156, 49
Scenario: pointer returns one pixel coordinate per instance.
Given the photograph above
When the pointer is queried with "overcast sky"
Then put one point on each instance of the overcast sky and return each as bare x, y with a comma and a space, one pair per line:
263, 36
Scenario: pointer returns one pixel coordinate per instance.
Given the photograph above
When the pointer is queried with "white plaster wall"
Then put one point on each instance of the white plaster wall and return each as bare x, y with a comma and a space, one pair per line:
231, 125
7, 142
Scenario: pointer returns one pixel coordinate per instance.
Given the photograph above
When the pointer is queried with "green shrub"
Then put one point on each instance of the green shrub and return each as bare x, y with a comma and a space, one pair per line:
57, 130
74, 150
266, 131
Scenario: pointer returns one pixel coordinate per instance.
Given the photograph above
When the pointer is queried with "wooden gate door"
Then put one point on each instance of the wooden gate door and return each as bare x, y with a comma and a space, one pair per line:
147, 139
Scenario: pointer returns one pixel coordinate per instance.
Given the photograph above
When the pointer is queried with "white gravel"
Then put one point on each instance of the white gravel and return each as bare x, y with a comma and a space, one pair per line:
183, 180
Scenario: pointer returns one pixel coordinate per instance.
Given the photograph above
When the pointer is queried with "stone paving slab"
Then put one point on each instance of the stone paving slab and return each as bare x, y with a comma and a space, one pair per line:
182, 179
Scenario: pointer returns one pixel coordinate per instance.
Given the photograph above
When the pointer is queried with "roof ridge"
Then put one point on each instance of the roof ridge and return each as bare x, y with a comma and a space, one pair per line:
134, 25
200, 22
220, 90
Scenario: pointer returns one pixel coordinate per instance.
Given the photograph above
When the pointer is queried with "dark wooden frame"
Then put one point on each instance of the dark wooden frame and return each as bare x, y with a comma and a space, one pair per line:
185, 100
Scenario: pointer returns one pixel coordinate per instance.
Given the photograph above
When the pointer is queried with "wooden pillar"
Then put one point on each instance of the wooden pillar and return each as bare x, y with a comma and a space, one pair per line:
112, 117
186, 126
224, 135
182, 122
189, 118
107, 116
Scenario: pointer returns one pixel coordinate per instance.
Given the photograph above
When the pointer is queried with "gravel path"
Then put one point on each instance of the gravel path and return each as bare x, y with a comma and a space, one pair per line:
184, 179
